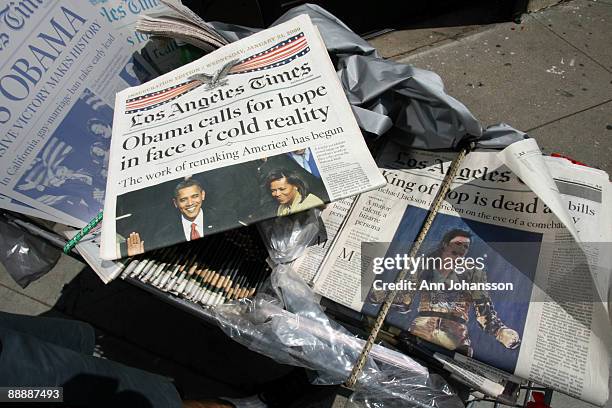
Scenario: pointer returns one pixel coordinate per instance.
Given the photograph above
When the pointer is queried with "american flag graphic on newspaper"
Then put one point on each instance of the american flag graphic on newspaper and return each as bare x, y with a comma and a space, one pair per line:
280, 54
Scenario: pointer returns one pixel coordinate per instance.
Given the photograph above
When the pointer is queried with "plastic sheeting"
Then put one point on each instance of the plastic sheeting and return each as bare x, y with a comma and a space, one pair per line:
25, 256
286, 238
388, 95
286, 323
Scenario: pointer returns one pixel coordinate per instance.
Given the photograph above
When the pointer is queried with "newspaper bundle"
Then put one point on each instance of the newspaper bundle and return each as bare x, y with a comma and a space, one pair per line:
257, 129
182, 24
533, 300
62, 64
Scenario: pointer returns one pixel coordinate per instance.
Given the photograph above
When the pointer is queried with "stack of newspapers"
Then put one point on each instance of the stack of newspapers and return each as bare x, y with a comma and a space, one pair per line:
511, 283
513, 274
56, 125
182, 24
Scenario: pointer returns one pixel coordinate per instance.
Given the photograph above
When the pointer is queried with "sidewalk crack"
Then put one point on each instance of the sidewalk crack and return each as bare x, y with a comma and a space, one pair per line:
572, 45
567, 116
25, 295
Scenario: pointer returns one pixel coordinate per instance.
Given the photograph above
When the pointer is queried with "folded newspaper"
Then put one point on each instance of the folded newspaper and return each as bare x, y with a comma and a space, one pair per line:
183, 24
63, 62
257, 129
514, 272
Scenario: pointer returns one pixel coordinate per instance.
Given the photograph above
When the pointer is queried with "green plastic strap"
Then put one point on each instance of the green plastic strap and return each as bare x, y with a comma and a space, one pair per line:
75, 240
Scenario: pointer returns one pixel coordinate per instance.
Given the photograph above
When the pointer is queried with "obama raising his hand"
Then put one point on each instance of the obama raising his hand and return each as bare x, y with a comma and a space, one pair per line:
192, 223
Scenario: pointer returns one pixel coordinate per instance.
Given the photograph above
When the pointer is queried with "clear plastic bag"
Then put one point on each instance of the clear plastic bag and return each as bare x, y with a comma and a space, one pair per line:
26, 257
287, 237
285, 322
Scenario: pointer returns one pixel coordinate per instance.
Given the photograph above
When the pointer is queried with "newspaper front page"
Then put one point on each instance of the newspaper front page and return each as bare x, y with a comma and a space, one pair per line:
62, 64
532, 307
225, 126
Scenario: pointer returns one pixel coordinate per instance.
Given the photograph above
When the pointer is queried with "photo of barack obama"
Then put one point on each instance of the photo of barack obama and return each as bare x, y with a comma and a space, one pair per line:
201, 204
188, 219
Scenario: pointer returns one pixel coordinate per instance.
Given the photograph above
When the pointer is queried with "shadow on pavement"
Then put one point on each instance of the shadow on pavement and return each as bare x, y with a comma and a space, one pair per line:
137, 329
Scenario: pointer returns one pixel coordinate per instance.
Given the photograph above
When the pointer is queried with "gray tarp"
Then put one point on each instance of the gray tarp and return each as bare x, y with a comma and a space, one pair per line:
387, 95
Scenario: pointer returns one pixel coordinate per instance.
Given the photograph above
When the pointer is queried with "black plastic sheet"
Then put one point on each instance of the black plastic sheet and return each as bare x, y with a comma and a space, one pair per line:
26, 257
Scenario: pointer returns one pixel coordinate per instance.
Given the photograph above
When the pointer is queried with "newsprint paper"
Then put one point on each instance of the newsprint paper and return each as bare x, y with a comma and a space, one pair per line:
533, 300
62, 64
54, 103
256, 129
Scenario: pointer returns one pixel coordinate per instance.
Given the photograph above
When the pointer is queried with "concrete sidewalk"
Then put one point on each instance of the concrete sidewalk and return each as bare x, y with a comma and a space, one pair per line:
549, 76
